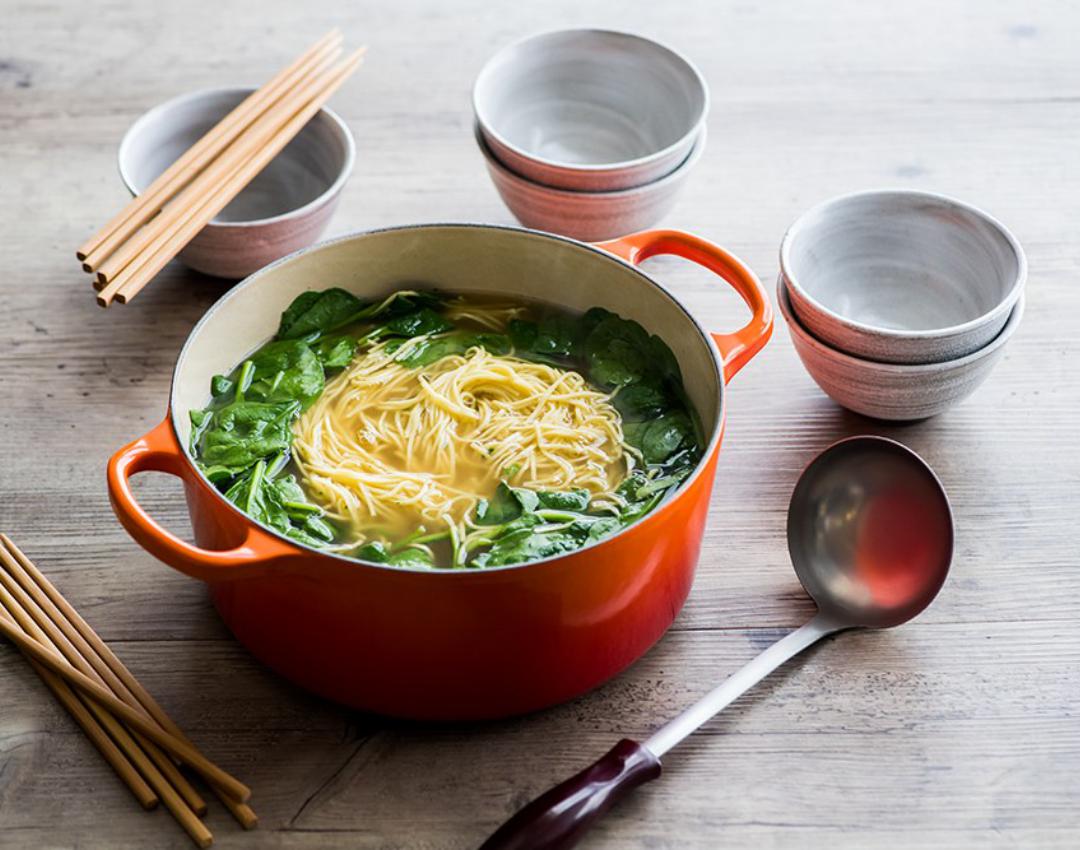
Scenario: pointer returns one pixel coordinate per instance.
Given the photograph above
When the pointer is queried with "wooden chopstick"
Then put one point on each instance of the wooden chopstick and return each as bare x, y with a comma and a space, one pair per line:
132, 718
259, 129
120, 735
64, 614
165, 779
202, 210
143, 207
211, 192
106, 746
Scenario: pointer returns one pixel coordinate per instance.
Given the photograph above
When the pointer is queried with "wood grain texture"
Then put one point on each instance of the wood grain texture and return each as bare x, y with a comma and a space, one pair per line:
959, 730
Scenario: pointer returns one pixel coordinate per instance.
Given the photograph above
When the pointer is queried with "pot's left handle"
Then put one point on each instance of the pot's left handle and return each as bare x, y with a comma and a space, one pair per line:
736, 348
160, 451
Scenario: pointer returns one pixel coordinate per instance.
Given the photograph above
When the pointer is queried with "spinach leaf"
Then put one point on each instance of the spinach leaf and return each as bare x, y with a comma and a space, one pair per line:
318, 312
244, 432
659, 439
411, 557
267, 500
221, 386
402, 303
643, 400
603, 528
529, 546
617, 352
663, 360
554, 339
418, 323
335, 352
317, 528
593, 316
375, 551
286, 370
200, 421
557, 335
427, 351
506, 505
523, 334
566, 500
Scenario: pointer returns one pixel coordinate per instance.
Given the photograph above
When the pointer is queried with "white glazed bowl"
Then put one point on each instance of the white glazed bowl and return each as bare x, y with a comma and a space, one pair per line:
286, 207
590, 110
892, 390
902, 276
589, 216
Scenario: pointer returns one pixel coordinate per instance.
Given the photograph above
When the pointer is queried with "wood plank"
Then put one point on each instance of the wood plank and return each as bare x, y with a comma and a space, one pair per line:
959, 730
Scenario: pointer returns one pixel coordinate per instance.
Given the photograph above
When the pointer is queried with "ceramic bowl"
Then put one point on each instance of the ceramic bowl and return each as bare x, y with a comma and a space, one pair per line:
893, 390
590, 110
285, 208
588, 216
902, 276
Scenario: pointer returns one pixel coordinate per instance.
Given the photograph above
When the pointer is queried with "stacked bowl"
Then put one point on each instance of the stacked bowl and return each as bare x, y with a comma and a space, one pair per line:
589, 133
900, 303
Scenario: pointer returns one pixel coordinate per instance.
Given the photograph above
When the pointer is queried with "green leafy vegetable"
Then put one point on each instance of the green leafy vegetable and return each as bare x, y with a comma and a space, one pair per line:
506, 505
335, 352
221, 386
244, 432
641, 401
375, 551
287, 370
617, 352
318, 312
426, 351
566, 500
418, 323
411, 556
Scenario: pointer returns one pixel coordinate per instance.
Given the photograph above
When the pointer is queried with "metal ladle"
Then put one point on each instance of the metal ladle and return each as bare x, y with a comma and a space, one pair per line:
870, 533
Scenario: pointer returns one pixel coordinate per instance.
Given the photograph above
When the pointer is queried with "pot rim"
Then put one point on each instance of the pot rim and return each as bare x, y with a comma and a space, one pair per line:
323, 197
1003, 307
710, 449
602, 167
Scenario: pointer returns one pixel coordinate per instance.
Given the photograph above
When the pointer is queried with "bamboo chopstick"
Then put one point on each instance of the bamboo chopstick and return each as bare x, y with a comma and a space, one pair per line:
256, 131
128, 284
211, 192
120, 735
165, 779
183, 751
143, 207
106, 746
64, 615
74, 647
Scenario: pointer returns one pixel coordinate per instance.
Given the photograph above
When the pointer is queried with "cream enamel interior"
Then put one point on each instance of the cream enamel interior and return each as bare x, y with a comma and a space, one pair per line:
458, 258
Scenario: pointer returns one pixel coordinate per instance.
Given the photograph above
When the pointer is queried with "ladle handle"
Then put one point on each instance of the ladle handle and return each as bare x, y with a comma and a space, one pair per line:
558, 818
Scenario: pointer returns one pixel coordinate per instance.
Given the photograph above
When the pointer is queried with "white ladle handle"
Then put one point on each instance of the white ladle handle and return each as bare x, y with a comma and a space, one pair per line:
738, 683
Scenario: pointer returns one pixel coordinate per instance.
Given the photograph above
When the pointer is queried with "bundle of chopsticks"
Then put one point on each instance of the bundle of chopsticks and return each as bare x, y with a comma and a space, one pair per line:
139, 241
136, 737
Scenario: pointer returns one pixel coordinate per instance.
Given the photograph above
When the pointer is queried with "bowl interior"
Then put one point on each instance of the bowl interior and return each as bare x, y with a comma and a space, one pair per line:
307, 168
902, 261
589, 97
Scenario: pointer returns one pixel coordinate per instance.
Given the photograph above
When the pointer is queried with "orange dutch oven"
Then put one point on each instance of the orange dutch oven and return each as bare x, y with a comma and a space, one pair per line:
448, 644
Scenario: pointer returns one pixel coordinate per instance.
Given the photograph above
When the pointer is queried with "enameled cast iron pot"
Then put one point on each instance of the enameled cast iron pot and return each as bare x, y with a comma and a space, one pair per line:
448, 644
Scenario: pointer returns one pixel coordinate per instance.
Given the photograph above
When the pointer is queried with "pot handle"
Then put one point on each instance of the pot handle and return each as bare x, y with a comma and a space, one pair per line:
159, 451
736, 348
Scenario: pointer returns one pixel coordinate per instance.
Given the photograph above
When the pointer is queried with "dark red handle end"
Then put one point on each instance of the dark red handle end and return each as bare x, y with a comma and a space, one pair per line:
558, 818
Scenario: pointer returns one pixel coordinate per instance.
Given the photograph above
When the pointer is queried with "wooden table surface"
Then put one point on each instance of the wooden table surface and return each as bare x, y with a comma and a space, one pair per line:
961, 729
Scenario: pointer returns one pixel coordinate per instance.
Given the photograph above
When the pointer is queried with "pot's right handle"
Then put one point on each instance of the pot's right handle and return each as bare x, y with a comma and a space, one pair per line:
736, 348
160, 451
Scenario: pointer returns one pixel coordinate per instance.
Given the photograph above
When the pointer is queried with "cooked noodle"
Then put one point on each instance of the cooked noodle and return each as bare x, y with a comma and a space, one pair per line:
388, 448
